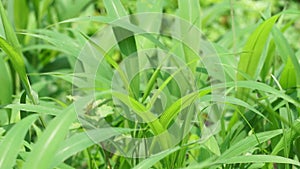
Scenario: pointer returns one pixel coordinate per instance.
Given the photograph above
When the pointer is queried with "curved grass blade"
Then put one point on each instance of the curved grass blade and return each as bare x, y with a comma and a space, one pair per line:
291, 73
35, 108
115, 8
253, 50
142, 111
19, 66
6, 91
248, 143
258, 159
290, 135
81, 141
43, 152
12, 48
189, 10
21, 14
268, 61
9, 31
13, 140
126, 42
149, 162
151, 83
168, 115
288, 78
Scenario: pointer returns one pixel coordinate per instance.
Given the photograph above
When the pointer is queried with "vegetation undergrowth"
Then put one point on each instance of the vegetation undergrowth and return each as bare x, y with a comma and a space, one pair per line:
149, 84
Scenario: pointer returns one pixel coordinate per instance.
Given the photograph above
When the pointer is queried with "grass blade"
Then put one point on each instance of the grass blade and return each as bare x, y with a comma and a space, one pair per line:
248, 143
189, 10
9, 31
126, 42
19, 66
115, 8
44, 150
258, 159
253, 50
291, 134
12, 142
288, 78
81, 141
6, 91
292, 68
148, 163
34, 108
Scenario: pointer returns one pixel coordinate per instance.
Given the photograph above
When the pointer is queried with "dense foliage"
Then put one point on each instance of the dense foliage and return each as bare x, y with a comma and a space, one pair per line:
149, 84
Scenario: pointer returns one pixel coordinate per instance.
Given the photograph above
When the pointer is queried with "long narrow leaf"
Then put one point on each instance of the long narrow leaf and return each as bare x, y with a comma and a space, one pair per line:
81, 141
48, 144
259, 159
12, 142
253, 51
149, 162
19, 66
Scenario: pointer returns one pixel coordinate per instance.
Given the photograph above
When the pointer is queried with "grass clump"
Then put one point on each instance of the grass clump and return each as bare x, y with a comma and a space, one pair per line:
163, 84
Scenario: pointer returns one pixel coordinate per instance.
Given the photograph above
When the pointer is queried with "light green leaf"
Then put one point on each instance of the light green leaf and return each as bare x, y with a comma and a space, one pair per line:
34, 108
43, 152
6, 90
12, 142
9, 31
21, 14
258, 159
19, 66
290, 135
115, 8
189, 10
213, 146
81, 141
248, 143
253, 51
288, 78
149, 162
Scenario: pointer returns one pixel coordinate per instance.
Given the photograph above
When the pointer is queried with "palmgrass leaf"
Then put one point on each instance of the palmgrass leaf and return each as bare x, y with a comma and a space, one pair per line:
43, 152
253, 51
149, 162
12, 142
259, 159
9, 31
19, 66
81, 141
248, 143
6, 90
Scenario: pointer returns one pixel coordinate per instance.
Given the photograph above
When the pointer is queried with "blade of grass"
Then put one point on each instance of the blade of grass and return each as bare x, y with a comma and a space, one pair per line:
6, 91
189, 10
258, 159
284, 49
12, 48
21, 15
288, 77
43, 152
248, 143
254, 47
19, 66
151, 83
142, 111
268, 61
127, 44
9, 31
115, 8
149, 162
291, 134
13, 140
81, 141
34, 108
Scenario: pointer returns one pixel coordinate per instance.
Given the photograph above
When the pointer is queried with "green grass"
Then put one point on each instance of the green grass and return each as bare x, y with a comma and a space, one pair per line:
149, 84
